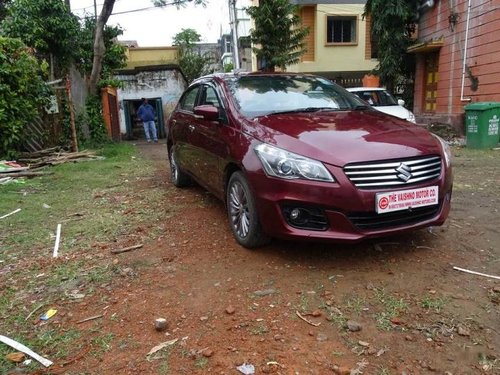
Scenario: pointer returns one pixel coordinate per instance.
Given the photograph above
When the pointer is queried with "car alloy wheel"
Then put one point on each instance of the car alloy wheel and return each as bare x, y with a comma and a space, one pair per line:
178, 177
238, 207
242, 213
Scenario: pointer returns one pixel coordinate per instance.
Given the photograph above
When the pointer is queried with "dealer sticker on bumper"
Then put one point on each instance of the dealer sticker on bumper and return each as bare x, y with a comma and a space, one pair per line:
405, 199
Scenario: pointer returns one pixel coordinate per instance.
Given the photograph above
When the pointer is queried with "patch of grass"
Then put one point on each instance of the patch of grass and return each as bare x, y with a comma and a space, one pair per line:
102, 343
337, 318
60, 341
383, 371
88, 198
436, 304
494, 296
392, 307
489, 362
164, 367
96, 204
303, 304
355, 304
53, 343
260, 329
201, 362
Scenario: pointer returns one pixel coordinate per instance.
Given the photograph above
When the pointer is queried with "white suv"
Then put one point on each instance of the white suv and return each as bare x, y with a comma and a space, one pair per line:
383, 101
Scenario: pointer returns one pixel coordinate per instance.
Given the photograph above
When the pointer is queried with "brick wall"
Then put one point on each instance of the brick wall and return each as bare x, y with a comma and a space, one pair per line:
483, 56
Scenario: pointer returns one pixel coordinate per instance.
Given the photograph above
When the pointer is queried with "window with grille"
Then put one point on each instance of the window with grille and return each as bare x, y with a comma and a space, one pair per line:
341, 29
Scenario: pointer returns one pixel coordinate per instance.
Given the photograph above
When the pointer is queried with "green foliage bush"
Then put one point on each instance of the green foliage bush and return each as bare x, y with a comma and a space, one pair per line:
22, 91
193, 64
46, 26
97, 127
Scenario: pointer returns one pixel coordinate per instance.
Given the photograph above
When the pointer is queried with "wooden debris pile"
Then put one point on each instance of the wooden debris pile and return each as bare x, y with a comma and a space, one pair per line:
28, 164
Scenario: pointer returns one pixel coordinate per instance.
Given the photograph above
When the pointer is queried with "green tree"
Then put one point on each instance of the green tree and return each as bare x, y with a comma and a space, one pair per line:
46, 26
393, 22
3, 8
114, 55
193, 63
99, 45
177, 3
22, 91
278, 35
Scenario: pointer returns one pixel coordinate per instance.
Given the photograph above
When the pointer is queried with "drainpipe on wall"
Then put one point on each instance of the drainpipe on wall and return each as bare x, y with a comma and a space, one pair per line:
233, 19
465, 55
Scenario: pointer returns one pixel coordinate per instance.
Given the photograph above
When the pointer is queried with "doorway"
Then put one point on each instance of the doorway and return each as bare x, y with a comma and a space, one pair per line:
135, 129
431, 81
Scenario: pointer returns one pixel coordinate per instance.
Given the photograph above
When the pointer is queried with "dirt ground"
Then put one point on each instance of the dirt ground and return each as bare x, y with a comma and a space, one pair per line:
391, 306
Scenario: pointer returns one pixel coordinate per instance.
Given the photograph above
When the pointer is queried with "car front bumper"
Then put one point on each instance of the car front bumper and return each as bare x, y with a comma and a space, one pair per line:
344, 212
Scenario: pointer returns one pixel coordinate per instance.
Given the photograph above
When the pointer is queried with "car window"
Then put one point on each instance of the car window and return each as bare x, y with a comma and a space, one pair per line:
189, 99
377, 97
263, 95
209, 97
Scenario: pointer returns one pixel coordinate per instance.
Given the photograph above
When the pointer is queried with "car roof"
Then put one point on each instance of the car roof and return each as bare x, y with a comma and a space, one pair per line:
225, 76
355, 89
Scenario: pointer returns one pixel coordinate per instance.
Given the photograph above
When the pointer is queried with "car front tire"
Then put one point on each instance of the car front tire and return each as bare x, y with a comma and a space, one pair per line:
242, 213
178, 177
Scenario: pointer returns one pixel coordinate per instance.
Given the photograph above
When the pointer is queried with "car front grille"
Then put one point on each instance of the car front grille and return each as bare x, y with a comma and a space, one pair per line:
373, 220
397, 173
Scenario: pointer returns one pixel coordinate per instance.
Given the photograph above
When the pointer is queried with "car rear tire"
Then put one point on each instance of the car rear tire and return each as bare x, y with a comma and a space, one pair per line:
242, 213
178, 177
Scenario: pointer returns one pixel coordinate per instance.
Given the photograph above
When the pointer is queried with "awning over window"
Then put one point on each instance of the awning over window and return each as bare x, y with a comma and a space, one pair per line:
426, 46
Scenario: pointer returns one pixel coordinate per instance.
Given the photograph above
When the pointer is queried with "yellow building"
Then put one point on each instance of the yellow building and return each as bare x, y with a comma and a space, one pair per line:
339, 45
149, 56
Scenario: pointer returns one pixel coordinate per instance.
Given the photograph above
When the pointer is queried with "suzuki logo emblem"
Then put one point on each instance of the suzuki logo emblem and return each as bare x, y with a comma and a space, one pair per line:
404, 172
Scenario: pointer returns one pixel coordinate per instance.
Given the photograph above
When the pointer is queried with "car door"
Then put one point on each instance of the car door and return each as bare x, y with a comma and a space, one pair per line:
181, 127
209, 141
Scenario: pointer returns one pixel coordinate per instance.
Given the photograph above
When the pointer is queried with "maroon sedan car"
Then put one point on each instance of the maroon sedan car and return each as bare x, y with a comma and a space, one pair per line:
296, 156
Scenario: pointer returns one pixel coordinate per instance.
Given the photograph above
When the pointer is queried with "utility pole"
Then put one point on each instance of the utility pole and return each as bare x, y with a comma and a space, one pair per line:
95, 10
233, 18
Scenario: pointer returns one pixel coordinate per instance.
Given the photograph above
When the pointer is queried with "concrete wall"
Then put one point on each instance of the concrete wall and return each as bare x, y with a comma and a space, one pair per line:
483, 53
167, 84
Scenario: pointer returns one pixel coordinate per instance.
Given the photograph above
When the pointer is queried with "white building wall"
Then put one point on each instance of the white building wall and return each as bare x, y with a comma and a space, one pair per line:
165, 84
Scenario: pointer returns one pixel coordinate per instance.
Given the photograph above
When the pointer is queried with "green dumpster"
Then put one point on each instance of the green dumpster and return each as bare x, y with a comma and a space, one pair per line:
481, 124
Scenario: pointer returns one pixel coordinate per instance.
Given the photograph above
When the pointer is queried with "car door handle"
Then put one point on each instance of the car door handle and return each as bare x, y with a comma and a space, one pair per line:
191, 128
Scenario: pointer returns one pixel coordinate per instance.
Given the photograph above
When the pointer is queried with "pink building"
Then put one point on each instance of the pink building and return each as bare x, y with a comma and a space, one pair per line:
458, 58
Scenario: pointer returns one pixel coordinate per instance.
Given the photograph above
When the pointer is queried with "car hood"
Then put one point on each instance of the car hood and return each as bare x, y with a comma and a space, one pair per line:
339, 138
394, 110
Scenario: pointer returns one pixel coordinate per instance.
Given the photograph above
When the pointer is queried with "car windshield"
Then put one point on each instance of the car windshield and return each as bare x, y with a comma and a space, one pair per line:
267, 95
377, 98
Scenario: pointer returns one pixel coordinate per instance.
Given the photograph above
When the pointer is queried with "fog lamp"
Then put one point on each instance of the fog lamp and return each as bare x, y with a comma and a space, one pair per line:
294, 214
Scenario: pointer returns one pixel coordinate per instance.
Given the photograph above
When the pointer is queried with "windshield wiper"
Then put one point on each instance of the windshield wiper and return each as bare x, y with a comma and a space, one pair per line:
360, 107
300, 110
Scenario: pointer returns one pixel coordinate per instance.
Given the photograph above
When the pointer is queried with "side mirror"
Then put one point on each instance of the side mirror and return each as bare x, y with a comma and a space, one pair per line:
401, 102
207, 112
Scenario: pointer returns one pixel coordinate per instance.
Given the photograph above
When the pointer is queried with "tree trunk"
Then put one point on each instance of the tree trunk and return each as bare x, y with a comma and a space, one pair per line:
99, 48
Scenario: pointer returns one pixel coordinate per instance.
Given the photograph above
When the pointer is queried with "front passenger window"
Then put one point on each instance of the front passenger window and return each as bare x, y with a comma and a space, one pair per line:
188, 101
211, 97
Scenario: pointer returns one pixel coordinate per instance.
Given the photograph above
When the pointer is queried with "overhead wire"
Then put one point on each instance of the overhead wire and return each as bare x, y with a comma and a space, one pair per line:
128, 11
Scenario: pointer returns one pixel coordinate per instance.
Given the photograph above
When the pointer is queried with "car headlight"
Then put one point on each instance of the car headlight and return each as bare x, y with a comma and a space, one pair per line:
446, 149
283, 164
